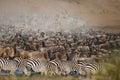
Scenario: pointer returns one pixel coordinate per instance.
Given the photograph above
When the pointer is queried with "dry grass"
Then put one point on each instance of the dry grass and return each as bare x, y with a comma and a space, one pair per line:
112, 68
38, 77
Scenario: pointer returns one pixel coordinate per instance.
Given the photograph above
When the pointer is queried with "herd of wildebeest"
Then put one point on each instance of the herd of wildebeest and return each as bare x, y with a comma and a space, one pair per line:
43, 52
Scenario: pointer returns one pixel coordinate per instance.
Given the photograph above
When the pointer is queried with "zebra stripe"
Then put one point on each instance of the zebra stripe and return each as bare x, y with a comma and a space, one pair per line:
31, 63
68, 66
93, 68
52, 68
17, 59
59, 66
90, 67
10, 65
42, 66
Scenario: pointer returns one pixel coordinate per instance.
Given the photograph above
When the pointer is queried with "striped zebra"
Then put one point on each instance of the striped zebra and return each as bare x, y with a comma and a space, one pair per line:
35, 65
52, 68
91, 68
17, 59
68, 66
10, 65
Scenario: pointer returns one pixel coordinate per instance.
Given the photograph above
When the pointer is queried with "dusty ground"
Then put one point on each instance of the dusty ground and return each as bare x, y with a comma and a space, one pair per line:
61, 14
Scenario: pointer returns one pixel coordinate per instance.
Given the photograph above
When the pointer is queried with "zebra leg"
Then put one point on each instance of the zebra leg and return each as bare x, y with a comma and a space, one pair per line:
64, 73
42, 73
45, 72
0, 69
89, 74
52, 73
26, 72
12, 72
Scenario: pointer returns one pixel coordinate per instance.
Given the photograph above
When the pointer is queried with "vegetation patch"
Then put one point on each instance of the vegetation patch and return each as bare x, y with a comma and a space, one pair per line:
112, 68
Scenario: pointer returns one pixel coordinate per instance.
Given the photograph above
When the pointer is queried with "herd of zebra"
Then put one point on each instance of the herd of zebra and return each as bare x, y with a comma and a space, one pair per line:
53, 67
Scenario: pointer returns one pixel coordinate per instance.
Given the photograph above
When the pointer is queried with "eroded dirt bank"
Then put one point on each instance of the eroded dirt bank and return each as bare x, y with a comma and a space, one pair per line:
61, 14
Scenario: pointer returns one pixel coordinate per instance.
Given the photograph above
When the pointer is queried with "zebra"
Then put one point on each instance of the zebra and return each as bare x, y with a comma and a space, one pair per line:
91, 68
68, 66
52, 68
17, 59
10, 65
42, 66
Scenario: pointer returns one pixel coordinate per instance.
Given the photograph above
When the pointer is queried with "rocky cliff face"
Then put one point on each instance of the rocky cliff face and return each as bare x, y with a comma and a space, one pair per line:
56, 15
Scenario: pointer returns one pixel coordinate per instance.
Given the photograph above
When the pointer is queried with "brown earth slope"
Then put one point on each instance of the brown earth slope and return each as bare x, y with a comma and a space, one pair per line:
61, 14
